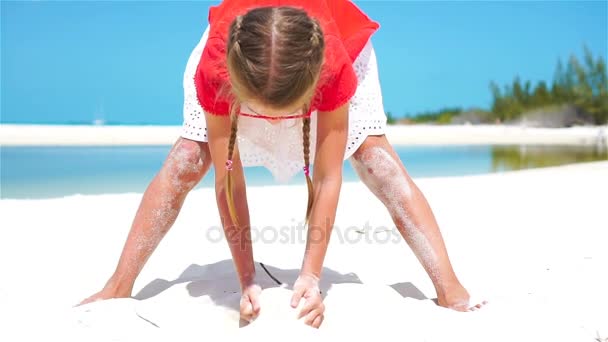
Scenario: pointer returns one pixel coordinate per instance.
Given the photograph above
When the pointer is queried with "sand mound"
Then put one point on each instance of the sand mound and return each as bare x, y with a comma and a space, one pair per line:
353, 311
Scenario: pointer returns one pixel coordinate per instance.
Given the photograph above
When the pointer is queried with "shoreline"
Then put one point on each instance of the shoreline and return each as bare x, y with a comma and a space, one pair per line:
91, 135
589, 166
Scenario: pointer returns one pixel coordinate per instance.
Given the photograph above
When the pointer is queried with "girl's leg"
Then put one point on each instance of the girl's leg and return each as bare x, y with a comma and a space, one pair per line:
187, 163
380, 168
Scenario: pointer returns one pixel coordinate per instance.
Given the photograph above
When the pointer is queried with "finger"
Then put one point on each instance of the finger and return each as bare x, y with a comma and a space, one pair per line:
255, 305
310, 318
246, 308
297, 296
309, 305
305, 310
318, 321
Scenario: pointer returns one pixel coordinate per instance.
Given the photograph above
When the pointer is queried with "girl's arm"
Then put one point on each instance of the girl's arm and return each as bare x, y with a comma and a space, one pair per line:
332, 132
239, 238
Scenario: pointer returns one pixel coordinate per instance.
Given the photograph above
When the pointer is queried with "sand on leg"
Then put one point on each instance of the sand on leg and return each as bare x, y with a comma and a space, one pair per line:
186, 164
381, 170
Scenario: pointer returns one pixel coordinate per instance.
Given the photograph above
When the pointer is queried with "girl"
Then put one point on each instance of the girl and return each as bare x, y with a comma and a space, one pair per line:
285, 84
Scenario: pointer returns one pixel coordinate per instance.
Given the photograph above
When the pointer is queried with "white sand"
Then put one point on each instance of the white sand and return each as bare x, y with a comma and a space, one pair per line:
17, 135
531, 242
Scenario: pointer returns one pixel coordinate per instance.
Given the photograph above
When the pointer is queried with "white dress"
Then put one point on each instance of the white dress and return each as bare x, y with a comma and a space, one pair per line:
278, 146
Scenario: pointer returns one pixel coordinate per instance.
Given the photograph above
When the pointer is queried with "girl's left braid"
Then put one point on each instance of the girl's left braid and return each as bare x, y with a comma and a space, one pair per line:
306, 141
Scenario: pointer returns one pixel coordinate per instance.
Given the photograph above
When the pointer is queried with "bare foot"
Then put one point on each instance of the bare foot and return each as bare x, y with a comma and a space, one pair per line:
458, 299
110, 291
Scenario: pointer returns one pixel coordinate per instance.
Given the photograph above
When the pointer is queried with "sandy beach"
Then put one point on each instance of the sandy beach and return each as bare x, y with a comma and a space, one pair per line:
26, 135
532, 243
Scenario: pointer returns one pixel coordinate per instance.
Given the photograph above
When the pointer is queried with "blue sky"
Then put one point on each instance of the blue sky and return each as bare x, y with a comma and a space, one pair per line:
123, 61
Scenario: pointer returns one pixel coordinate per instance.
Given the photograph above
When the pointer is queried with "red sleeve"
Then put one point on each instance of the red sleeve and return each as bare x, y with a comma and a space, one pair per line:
211, 78
354, 25
338, 81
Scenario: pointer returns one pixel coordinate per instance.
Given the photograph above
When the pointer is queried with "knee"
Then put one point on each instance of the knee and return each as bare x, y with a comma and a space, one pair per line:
375, 163
383, 173
365, 161
187, 162
362, 154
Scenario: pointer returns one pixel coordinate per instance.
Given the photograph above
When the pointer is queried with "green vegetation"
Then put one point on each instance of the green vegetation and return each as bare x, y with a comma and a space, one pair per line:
527, 157
579, 84
442, 116
390, 119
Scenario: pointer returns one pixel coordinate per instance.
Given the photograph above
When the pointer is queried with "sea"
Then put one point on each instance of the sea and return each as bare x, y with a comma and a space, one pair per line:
38, 172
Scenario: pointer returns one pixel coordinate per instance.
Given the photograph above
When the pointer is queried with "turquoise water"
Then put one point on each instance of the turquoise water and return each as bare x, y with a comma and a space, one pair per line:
46, 172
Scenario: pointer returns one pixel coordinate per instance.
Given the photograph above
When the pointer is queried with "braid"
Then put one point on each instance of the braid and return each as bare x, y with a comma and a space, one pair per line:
236, 55
236, 31
317, 34
306, 140
231, 144
317, 46
235, 35
316, 50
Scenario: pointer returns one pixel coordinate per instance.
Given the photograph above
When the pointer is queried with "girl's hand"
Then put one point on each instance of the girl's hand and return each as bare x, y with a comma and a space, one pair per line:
250, 302
307, 287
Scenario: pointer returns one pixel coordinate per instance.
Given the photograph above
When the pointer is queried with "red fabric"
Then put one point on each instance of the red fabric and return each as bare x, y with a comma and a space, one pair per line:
346, 28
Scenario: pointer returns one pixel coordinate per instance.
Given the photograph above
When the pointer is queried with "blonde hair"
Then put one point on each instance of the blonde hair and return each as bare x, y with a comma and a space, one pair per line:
274, 55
